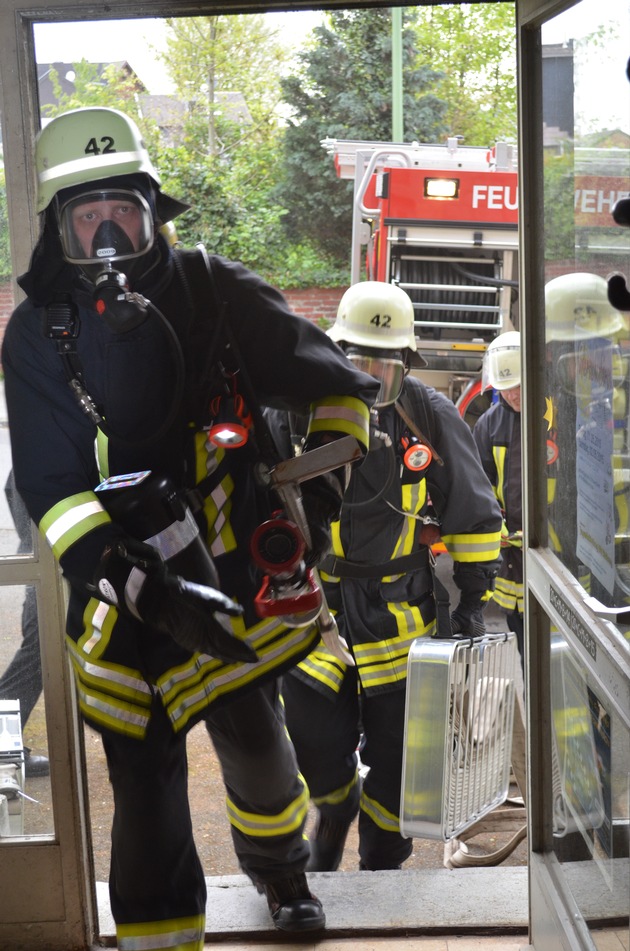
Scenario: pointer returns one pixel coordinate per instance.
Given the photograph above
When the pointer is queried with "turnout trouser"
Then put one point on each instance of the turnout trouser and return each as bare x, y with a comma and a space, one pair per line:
325, 733
157, 885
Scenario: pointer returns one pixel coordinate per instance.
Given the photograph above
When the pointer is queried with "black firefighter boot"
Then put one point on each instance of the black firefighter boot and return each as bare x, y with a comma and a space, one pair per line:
328, 843
293, 908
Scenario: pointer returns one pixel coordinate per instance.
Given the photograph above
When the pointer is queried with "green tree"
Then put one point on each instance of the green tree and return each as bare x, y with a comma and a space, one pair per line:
559, 190
209, 58
226, 165
342, 89
474, 47
111, 87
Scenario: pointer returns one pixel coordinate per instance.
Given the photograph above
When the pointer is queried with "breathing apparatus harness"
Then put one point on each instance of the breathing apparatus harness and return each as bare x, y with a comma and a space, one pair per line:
290, 589
122, 311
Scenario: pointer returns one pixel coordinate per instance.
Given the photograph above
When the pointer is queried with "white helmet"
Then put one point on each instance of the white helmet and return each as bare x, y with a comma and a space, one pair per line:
92, 145
502, 362
577, 308
375, 314
375, 325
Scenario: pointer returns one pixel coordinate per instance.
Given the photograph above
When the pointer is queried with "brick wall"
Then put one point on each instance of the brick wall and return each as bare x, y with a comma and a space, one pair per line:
315, 302
6, 304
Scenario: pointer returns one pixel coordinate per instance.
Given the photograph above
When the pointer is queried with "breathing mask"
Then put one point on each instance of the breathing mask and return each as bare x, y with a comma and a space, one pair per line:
102, 226
388, 366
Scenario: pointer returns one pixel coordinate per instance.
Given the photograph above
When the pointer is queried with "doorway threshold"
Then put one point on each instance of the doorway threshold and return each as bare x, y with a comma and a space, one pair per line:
388, 903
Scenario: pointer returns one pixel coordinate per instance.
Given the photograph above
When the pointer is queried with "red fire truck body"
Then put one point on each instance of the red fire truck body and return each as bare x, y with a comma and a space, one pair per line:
441, 221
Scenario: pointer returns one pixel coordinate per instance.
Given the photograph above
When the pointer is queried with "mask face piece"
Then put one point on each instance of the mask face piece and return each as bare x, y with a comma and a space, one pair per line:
105, 225
387, 366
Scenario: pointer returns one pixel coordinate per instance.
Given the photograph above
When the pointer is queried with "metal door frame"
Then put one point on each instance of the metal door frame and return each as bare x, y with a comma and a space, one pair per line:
552, 593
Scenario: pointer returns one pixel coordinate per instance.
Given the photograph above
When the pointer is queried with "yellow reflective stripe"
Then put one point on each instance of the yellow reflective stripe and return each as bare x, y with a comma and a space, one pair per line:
102, 454
174, 934
484, 546
337, 796
409, 620
551, 490
265, 826
341, 414
107, 711
98, 620
384, 662
508, 594
335, 534
499, 453
72, 518
412, 498
115, 680
187, 689
413, 495
207, 456
322, 666
217, 508
379, 815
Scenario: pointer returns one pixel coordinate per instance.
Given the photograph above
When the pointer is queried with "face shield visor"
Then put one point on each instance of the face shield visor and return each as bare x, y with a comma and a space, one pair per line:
388, 366
105, 225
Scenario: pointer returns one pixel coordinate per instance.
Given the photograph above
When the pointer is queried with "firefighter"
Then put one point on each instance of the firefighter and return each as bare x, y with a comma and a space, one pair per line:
125, 358
497, 434
578, 314
422, 481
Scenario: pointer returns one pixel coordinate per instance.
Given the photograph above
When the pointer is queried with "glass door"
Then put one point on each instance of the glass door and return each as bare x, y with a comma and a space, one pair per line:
578, 472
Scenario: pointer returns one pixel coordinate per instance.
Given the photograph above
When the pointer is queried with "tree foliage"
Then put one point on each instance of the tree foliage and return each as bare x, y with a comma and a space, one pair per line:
474, 47
226, 162
559, 189
210, 58
266, 192
343, 89
111, 87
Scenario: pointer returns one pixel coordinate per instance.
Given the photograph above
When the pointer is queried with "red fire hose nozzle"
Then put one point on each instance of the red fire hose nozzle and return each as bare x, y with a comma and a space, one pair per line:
288, 588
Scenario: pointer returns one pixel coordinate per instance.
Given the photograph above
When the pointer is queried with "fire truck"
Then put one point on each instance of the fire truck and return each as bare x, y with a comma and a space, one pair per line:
441, 221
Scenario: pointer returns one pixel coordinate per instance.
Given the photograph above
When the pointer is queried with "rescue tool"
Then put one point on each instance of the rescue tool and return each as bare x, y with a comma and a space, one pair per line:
281, 593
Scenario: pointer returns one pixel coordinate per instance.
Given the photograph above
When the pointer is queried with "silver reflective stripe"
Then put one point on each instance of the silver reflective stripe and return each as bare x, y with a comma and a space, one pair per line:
109, 673
71, 519
98, 618
379, 814
180, 940
176, 537
111, 711
107, 160
133, 589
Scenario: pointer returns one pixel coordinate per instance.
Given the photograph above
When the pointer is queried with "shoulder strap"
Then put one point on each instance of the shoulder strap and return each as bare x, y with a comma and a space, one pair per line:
414, 402
265, 442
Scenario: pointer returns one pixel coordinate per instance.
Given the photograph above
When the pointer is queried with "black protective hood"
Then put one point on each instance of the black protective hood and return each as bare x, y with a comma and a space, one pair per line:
50, 273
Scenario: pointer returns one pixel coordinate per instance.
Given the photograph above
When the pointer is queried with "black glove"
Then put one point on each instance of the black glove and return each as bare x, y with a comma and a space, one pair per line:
466, 622
474, 581
133, 577
321, 498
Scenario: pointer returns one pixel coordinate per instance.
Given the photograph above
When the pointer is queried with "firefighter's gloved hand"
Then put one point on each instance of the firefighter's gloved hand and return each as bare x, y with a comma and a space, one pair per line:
321, 498
476, 582
132, 576
469, 623
189, 620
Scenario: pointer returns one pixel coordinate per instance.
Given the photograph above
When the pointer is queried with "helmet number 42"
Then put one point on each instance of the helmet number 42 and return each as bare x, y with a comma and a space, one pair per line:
100, 146
379, 320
